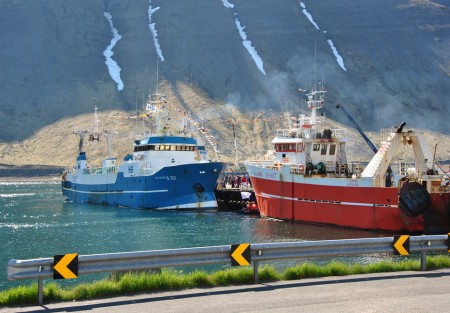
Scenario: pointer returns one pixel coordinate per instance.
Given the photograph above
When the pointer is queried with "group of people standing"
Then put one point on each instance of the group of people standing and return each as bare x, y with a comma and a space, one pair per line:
231, 180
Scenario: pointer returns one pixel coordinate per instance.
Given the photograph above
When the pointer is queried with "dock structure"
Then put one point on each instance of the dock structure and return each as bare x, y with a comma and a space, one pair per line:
234, 199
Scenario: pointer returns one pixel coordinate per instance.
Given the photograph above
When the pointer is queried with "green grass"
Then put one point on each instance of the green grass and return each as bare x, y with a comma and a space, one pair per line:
128, 283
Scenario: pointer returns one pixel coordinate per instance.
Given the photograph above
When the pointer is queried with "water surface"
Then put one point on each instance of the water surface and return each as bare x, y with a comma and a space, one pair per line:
35, 222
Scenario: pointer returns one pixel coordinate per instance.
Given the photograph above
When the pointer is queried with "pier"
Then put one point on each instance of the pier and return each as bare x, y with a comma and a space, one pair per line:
234, 199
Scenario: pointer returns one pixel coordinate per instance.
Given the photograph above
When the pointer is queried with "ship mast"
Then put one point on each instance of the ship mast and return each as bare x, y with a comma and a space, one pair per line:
94, 135
315, 100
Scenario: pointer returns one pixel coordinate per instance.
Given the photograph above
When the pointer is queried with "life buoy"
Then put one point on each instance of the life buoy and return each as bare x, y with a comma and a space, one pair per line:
301, 168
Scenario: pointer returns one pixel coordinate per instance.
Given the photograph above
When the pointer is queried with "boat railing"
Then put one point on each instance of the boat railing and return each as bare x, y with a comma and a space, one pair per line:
297, 169
356, 168
307, 120
262, 164
288, 133
337, 133
100, 170
402, 168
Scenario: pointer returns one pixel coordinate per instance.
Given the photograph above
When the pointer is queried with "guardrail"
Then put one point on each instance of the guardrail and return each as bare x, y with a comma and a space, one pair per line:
156, 259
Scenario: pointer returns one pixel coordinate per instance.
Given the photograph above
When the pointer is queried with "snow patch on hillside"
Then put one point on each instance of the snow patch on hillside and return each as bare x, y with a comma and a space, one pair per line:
338, 57
152, 28
227, 4
113, 67
309, 16
247, 43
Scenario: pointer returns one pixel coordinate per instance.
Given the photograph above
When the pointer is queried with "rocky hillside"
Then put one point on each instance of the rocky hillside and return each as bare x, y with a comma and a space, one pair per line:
388, 61
57, 144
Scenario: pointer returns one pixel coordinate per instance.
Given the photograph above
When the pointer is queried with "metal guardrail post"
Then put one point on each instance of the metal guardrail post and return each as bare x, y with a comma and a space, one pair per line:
40, 288
423, 261
255, 272
40, 291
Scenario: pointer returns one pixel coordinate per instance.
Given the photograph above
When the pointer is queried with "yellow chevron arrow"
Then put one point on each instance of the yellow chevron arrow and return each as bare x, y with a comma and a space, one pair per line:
237, 254
399, 245
61, 266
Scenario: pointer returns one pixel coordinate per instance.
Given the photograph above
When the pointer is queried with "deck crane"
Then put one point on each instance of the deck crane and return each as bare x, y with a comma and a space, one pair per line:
368, 141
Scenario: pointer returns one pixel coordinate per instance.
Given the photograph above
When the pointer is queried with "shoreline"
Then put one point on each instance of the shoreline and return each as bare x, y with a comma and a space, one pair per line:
11, 179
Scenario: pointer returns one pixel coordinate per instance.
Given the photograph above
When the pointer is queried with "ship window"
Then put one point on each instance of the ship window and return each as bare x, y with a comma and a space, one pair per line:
290, 147
151, 147
323, 150
316, 147
173, 148
167, 147
332, 149
342, 147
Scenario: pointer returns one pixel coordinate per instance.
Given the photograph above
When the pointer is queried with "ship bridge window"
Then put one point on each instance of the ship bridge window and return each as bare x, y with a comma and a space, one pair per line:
316, 147
332, 150
323, 150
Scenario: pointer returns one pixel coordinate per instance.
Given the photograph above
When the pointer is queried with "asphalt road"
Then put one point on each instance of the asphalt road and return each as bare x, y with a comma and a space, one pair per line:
403, 292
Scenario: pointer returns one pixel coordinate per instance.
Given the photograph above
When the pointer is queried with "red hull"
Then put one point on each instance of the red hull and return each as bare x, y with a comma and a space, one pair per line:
373, 208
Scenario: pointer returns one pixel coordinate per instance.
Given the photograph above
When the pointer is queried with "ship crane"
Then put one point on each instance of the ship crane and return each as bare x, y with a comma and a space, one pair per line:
368, 141
370, 170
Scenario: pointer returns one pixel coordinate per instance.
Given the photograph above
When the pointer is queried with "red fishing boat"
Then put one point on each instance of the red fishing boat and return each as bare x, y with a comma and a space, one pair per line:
309, 179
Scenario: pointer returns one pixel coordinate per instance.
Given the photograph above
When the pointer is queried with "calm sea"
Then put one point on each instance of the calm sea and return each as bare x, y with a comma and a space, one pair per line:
35, 221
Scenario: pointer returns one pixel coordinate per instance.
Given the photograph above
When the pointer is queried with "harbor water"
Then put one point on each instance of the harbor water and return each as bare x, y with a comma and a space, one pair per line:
35, 222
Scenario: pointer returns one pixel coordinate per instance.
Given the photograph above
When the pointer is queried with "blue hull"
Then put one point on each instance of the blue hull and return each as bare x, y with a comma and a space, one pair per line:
189, 186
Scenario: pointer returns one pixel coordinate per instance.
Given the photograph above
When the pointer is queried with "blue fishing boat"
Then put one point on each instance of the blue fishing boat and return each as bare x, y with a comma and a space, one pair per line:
167, 170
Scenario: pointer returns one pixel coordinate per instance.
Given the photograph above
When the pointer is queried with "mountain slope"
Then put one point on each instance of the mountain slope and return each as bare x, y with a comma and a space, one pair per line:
394, 66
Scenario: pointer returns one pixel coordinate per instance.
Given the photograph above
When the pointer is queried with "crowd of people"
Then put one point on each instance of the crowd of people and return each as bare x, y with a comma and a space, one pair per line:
232, 180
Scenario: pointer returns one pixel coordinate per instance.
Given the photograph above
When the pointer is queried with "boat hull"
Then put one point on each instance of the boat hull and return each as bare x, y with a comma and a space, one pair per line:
337, 201
189, 186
